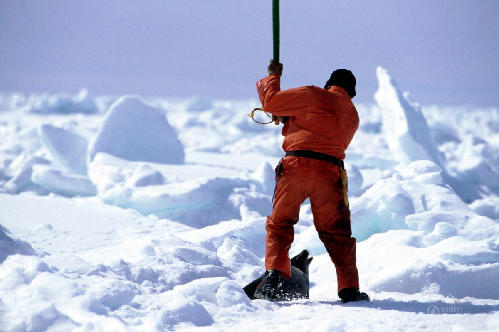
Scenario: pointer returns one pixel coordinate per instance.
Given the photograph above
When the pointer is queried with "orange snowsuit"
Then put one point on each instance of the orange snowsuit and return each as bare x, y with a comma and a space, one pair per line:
323, 121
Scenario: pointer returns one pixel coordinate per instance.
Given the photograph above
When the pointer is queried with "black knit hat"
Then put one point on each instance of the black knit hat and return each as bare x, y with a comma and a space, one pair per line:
344, 79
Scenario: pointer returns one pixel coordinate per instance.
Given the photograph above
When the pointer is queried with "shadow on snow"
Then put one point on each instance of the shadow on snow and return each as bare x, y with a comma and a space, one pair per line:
435, 307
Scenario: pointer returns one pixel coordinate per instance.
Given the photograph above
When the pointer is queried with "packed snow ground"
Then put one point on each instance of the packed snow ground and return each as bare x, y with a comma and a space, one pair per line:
148, 214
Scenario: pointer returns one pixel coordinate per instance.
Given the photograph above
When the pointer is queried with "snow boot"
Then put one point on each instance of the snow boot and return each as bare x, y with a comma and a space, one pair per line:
352, 294
268, 289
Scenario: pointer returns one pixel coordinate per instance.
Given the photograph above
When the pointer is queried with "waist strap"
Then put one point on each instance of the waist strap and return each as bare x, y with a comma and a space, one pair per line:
316, 155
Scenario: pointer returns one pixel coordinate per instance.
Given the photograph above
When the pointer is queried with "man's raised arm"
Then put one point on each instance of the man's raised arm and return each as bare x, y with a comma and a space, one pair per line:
281, 103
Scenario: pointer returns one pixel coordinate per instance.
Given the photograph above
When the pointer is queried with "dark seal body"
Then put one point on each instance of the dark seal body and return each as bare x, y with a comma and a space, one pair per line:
296, 287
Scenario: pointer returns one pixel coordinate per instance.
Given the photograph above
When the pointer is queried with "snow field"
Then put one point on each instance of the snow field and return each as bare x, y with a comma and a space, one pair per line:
150, 216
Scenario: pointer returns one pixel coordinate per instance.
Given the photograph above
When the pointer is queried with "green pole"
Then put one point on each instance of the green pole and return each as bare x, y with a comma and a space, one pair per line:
275, 28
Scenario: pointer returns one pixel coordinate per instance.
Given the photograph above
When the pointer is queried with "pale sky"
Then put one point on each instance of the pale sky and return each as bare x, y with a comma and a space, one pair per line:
443, 52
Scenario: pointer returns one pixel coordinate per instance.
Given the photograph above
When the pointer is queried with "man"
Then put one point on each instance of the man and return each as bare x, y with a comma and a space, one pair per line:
318, 127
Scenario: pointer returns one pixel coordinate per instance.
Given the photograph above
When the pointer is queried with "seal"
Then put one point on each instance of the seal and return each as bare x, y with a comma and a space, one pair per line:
296, 287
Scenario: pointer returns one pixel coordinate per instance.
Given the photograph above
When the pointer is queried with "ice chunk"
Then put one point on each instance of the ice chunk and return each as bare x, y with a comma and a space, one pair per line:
23, 169
197, 203
67, 148
10, 246
192, 194
133, 130
145, 175
64, 103
388, 202
404, 126
408, 135
107, 171
63, 183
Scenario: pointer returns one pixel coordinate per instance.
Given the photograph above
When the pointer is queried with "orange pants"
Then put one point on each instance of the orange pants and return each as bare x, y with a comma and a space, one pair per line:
303, 178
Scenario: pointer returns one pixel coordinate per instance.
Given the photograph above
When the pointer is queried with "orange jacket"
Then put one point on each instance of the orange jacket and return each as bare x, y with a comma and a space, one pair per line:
319, 120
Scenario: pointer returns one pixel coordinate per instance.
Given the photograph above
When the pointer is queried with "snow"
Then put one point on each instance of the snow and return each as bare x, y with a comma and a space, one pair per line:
179, 311
157, 224
355, 180
488, 207
265, 176
136, 131
10, 246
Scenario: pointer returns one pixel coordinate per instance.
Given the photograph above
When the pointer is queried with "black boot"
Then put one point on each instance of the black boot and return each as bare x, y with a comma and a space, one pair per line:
269, 287
351, 294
